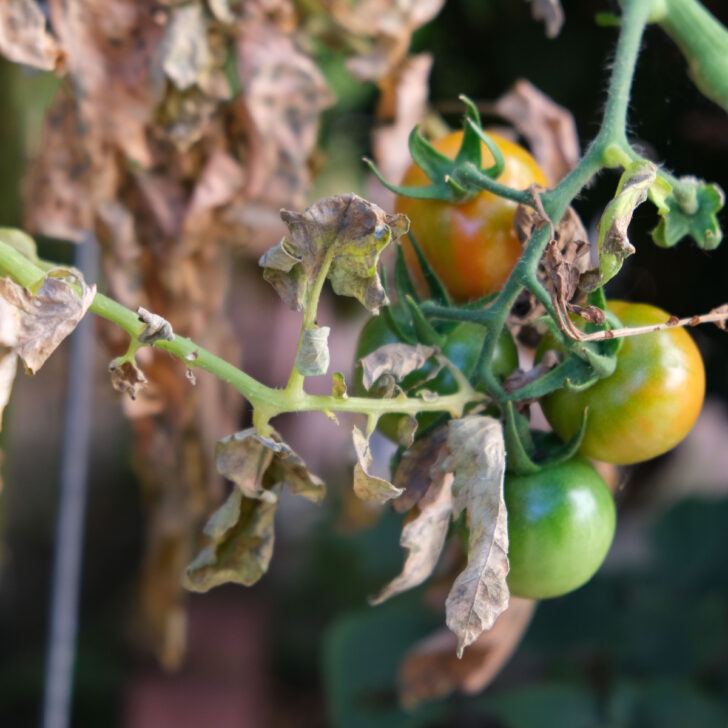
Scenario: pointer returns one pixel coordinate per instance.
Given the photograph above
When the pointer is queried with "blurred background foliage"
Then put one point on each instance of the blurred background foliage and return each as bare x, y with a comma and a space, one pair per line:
644, 644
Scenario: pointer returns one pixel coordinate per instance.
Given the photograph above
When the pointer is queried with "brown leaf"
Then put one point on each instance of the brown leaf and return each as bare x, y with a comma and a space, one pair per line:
423, 536
257, 464
367, 486
42, 320
418, 468
283, 94
478, 460
242, 544
431, 669
345, 234
127, 378
24, 38
552, 14
549, 128
398, 360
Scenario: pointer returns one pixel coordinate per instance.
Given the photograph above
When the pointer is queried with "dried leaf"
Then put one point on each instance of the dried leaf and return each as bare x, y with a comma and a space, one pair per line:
366, 486
480, 592
8, 369
552, 14
345, 233
186, 54
519, 378
423, 536
24, 38
398, 360
312, 357
157, 328
257, 464
418, 468
721, 309
549, 128
127, 378
431, 669
42, 320
242, 544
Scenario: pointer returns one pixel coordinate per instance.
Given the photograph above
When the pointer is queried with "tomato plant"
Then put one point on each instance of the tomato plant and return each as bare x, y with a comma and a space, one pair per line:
462, 346
471, 245
561, 523
650, 402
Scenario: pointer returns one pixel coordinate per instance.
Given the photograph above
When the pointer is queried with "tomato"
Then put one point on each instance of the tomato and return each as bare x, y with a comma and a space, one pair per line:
650, 402
561, 524
472, 246
462, 348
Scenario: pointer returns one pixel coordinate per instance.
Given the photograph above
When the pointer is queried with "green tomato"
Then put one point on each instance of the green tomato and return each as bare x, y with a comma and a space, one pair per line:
462, 348
561, 524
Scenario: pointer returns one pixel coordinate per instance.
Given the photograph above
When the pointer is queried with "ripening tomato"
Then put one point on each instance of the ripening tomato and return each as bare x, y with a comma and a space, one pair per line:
650, 402
462, 347
561, 524
472, 246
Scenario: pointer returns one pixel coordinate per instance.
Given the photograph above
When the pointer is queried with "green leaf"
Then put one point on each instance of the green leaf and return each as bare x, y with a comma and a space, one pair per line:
438, 291
341, 236
691, 209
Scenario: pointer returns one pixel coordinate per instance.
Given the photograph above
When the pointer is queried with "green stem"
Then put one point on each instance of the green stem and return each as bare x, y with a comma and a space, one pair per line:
267, 401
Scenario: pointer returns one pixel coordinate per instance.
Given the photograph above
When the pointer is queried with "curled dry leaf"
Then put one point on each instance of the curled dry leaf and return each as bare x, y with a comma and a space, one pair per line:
367, 486
398, 360
127, 378
423, 537
552, 14
256, 463
721, 323
549, 128
43, 319
478, 460
389, 24
242, 537
613, 244
241, 530
418, 468
431, 670
157, 328
345, 234
24, 38
312, 357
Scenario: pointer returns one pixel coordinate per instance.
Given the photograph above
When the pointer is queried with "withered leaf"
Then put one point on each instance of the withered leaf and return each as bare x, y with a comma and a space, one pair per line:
42, 320
423, 536
366, 486
257, 464
399, 360
552, 14
8, 368
344, 233
24, 38
312, 357
418, 468
549, 128
186, 54
431, 669
127, 378
721, 309
478, 460
157, 328
242, 544
613, 244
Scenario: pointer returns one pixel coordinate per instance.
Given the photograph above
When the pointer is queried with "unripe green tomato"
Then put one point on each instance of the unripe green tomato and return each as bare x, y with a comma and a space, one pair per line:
650, 402
462, 348
561, 524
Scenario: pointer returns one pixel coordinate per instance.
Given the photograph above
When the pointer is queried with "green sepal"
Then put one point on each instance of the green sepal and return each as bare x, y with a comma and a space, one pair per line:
573, 373
424, 330
400, 329
499, 164
438, 292
555, 451
519, 459
691, 209
402, 280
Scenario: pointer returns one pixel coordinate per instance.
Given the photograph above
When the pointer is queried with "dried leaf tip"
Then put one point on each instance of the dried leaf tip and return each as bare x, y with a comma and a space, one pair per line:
157, 328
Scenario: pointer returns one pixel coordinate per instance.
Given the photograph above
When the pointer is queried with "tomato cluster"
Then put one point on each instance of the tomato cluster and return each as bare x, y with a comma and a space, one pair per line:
561, 517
